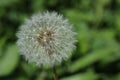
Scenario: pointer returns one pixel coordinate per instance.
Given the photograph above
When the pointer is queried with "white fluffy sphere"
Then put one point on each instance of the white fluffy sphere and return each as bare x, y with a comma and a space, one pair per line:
46, 39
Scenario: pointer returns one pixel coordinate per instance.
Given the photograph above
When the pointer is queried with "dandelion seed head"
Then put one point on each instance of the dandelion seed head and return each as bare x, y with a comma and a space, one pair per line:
46, 39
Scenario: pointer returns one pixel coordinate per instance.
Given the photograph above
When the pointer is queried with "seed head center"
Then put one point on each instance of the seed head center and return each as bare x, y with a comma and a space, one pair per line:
45, 37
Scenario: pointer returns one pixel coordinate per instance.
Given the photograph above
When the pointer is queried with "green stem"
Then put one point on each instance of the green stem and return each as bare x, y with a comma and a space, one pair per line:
54, 73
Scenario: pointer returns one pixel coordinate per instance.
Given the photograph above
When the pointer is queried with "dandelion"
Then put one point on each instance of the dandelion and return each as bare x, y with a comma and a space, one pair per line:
46, 39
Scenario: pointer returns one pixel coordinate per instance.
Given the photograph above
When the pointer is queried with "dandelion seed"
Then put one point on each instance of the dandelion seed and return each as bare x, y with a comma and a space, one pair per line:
46, 39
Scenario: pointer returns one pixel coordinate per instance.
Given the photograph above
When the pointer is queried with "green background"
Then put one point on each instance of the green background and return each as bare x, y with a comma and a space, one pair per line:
97, 23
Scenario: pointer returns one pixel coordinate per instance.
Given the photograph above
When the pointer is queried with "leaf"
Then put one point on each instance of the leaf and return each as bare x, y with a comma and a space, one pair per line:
84, 37
78, 16
21, 78
2, 43
29, 68
37, 5
89, 75
105, 40
87, 60
117, 21
4, 3
9, 61
114, 77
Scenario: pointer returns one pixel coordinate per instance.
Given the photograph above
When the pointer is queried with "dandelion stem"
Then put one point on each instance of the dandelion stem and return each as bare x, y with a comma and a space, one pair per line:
54, 73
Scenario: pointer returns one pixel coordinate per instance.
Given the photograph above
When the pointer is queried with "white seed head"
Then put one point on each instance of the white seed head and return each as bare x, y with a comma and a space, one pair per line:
46, 39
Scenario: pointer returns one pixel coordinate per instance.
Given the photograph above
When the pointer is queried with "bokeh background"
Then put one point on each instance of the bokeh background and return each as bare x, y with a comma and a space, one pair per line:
97, 23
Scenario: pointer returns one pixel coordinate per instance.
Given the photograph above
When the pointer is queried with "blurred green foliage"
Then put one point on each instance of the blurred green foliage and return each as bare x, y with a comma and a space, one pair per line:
97, 23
